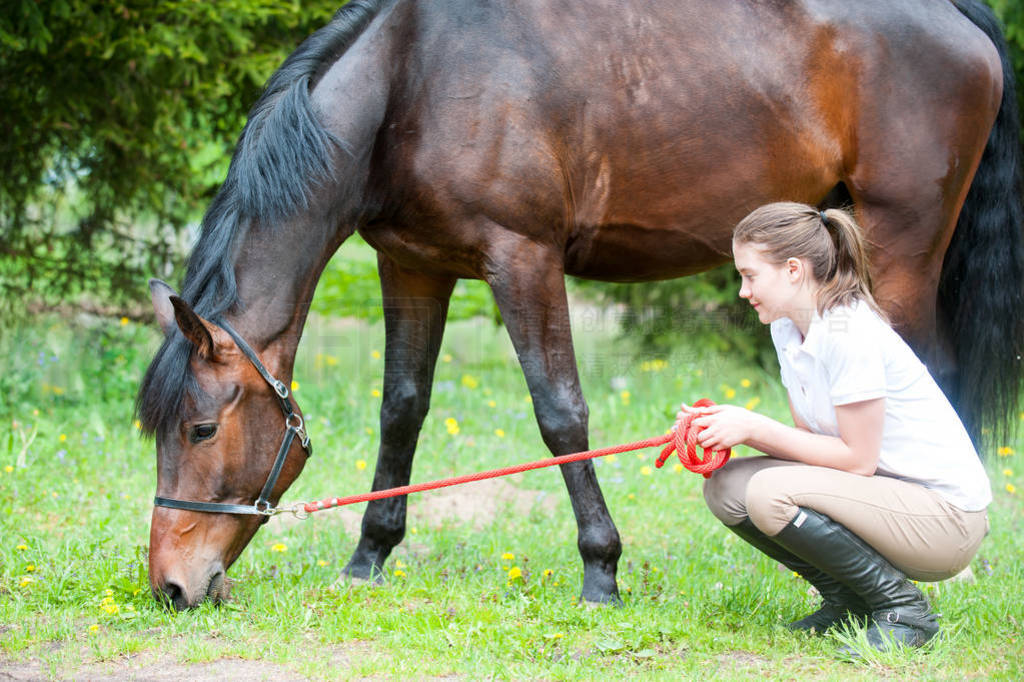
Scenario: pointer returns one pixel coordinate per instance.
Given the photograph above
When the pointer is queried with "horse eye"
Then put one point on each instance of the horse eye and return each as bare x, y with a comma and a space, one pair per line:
201, 432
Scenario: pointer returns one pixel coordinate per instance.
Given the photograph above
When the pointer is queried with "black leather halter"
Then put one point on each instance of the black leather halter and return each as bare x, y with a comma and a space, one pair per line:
293, 427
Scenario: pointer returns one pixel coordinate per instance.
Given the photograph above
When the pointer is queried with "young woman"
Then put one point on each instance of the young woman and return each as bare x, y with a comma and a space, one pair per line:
878, 481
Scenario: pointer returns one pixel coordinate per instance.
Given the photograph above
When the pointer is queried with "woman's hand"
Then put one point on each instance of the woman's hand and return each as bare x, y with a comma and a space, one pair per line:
726, 426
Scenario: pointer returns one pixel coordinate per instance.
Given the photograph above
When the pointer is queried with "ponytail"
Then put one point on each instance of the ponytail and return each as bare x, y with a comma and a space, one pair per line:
829, 241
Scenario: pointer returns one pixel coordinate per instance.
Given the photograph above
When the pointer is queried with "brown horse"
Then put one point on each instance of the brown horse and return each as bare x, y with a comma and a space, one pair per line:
517, 142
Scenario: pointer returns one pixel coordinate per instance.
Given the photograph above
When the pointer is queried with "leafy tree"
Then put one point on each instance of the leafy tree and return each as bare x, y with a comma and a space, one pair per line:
118, 121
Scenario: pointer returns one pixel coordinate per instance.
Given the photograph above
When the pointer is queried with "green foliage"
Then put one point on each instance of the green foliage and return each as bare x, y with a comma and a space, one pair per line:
1011, 13
350, 287
703, 309
119, 118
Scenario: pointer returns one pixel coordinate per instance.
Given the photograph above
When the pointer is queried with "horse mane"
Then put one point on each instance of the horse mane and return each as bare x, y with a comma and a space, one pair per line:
282, 156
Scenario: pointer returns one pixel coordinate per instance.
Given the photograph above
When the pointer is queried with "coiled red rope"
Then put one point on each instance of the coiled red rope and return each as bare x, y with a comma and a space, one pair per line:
682, 440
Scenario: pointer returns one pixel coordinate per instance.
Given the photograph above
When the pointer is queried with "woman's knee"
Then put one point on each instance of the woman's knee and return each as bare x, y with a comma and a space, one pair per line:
768, 501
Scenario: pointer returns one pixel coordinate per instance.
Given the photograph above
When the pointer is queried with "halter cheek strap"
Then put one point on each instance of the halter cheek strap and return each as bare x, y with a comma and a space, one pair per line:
294, 426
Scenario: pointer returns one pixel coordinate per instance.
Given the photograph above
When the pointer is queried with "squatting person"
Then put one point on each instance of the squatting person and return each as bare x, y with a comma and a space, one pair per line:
878, 481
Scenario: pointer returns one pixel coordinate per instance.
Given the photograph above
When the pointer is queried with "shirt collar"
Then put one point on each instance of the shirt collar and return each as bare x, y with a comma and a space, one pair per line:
793, 341
835, 319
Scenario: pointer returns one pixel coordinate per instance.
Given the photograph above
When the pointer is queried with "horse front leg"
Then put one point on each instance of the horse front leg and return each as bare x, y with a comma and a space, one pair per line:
529, 287
415, 308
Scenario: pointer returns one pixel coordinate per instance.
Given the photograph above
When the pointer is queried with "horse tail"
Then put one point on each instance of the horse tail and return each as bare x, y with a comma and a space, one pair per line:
981, 289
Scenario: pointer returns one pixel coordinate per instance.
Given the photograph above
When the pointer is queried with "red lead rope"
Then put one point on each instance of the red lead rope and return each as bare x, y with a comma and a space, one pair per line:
682, 441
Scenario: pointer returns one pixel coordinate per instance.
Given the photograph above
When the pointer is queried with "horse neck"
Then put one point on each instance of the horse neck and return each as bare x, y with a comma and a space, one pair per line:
277, 269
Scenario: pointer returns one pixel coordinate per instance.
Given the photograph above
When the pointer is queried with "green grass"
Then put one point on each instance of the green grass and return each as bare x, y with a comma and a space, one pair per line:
75, 505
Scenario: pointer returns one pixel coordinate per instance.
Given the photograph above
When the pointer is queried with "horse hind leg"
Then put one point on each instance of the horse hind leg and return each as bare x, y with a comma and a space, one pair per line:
415, 309
529, 288
907, 237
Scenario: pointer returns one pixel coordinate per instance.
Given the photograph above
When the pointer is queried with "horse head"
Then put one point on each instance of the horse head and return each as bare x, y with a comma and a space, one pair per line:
216, 456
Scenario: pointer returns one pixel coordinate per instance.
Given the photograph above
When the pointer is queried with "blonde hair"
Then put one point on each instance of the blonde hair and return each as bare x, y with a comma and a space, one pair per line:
829, 241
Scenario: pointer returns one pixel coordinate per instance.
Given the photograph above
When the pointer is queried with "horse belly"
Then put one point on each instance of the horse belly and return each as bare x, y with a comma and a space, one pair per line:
633, 253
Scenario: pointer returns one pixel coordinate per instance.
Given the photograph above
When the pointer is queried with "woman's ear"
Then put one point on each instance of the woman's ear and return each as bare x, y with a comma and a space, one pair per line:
794, 269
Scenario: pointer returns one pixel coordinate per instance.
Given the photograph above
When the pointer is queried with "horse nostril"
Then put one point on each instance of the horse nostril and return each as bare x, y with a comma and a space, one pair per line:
172, 595
217, 589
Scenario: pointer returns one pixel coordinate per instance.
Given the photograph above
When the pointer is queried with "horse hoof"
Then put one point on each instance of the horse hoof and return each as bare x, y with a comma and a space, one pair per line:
348, 579
591, 604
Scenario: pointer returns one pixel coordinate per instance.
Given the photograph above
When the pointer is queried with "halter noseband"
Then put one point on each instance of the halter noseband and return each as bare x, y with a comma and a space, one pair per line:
293, 427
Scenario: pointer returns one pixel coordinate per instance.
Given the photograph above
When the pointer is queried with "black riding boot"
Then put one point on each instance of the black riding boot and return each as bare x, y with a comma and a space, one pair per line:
839, 605
900, 614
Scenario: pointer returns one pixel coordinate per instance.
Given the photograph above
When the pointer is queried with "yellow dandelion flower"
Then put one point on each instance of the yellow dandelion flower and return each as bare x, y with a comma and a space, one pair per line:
321, 563
399, 573
548, 572
514, 573
8, 468
745, 383
1011, 488
446, 357
109, 592
22, 547
752, 403
278, 547
94, 627
369, 431
1004, 451
469, 382
360, 464
137, 424
330, 360
30, 568
112, 608
508, 556
399, 563
26, 580
124, 321
641, 455
624, 396
500, 433
677, 467
631, 496
452, 425
375, 393
528, 399
729, 393
414, 530
611, 459
491, 403
375, 354
295, 385
645, 471
1007, 472
62, 437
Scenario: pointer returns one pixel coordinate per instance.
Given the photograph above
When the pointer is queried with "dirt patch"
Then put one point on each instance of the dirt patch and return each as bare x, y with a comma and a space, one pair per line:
474, 504
151, 666
477, 504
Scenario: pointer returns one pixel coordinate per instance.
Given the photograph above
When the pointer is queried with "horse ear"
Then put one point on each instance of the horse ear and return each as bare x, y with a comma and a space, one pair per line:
161, 294
196, 329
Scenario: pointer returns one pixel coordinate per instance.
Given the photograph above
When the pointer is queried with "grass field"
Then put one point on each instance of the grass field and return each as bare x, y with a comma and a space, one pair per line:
485, 584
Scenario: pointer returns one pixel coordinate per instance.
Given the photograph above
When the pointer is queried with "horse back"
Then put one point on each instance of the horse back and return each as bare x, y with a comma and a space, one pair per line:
633, 138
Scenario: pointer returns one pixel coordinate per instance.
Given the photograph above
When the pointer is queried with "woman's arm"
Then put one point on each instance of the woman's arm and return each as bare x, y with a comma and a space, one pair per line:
856, 450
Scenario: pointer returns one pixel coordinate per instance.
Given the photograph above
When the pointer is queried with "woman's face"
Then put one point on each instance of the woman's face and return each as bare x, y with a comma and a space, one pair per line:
775, 291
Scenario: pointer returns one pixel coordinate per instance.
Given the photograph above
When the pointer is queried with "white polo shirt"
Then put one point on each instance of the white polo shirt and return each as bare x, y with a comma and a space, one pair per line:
851, 355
